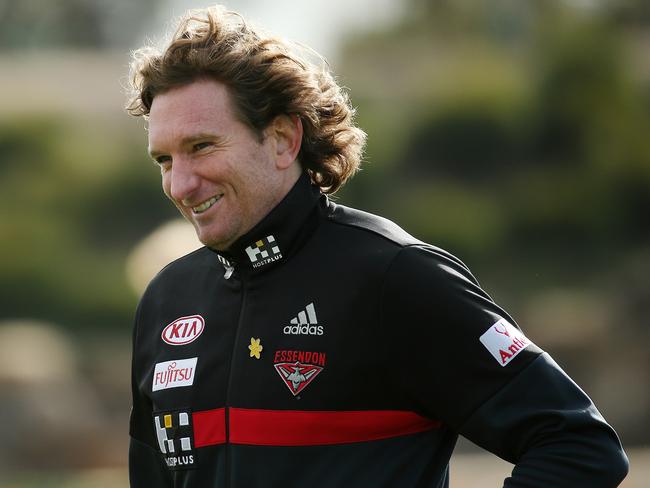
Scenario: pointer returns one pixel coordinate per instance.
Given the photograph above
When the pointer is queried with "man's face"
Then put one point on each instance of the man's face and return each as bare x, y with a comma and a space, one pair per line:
214, 168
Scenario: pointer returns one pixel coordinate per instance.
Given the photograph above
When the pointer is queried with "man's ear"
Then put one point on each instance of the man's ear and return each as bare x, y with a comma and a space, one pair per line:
287, 132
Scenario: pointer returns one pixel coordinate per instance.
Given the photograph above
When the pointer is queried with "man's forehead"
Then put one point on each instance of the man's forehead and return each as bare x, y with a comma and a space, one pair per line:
202, 107
202, 88
181, 125
192, 103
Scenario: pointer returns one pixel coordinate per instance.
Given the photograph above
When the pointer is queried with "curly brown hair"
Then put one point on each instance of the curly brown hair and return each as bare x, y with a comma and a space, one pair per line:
266, 77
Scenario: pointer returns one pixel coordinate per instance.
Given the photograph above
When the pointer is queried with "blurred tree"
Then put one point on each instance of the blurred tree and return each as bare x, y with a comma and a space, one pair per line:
69, 213
71, 23
532, 109
632, 13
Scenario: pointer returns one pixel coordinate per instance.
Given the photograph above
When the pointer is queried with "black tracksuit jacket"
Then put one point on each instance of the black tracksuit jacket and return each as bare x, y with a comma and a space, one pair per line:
330, 348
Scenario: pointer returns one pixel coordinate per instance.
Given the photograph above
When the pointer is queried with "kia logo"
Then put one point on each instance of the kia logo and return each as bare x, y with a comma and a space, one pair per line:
183, 330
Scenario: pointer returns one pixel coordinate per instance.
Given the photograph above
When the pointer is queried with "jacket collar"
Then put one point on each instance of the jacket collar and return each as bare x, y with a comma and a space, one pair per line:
278, 235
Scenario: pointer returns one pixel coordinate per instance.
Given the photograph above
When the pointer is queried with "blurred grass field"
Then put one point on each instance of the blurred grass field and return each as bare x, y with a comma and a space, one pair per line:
485, 471
479, 470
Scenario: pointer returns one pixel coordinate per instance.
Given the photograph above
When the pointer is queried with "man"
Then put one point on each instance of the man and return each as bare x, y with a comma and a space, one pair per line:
309, 344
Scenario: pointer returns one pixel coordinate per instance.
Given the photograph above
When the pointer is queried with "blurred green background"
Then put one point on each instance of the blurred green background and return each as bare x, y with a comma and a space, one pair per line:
514, 134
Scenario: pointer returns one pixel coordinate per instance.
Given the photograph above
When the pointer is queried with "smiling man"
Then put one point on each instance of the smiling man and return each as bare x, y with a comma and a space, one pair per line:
309, 344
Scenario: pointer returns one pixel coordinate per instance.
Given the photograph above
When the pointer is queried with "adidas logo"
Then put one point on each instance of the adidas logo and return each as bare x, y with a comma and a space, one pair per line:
305, 323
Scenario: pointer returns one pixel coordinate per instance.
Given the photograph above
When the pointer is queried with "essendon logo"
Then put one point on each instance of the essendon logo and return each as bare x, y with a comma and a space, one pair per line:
183, 330
301, 369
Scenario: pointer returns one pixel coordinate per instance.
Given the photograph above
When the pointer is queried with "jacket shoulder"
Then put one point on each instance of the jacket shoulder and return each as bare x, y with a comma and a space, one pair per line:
373, 225
380, 228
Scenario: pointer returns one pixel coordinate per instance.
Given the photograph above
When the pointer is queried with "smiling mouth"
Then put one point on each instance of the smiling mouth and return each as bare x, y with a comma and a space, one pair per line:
206, 205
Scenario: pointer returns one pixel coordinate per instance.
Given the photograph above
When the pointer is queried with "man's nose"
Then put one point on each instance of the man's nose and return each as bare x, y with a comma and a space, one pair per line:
184, 181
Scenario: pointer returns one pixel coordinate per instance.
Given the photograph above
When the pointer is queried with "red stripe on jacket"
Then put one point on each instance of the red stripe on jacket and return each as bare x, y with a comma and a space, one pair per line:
304, 428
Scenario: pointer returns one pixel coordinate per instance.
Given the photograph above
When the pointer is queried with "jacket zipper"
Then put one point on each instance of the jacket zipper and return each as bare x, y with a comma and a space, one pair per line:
242, 308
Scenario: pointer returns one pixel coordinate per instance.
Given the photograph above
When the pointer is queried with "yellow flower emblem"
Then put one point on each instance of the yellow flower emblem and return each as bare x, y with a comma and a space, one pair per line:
255, 348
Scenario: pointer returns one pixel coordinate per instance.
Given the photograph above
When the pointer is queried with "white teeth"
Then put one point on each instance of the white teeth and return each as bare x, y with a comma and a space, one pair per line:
205, 205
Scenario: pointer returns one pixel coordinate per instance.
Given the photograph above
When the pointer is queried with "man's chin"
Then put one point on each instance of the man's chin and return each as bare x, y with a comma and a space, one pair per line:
213, 242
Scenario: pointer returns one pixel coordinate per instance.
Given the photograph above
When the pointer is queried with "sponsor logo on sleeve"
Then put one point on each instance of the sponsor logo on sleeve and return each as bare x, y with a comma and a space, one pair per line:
174, 374
264, 251
183, 330
298, 369
175, 438
504, 341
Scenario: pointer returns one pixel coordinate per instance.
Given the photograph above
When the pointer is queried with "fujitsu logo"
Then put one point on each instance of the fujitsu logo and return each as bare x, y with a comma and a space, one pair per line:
183, 330
305, 323
173, 374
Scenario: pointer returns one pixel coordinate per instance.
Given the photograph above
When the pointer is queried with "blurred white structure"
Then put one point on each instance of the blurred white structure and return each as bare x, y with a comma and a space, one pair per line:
167, 243
320, 24
52, 415
35, 352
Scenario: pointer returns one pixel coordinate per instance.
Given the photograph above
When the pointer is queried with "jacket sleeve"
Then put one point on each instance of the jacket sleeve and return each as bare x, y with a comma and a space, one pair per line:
146, 467
517, 402
545, 424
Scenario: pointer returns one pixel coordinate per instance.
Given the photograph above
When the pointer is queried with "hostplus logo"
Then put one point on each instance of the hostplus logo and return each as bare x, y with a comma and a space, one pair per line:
305, 323
263, 252
174, 432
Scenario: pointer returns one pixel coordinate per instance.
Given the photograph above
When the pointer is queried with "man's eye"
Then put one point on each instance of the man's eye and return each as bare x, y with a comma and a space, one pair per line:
201, 145
162, 160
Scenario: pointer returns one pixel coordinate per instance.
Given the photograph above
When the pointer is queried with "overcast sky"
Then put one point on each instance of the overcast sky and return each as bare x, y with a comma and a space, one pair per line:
321, 24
